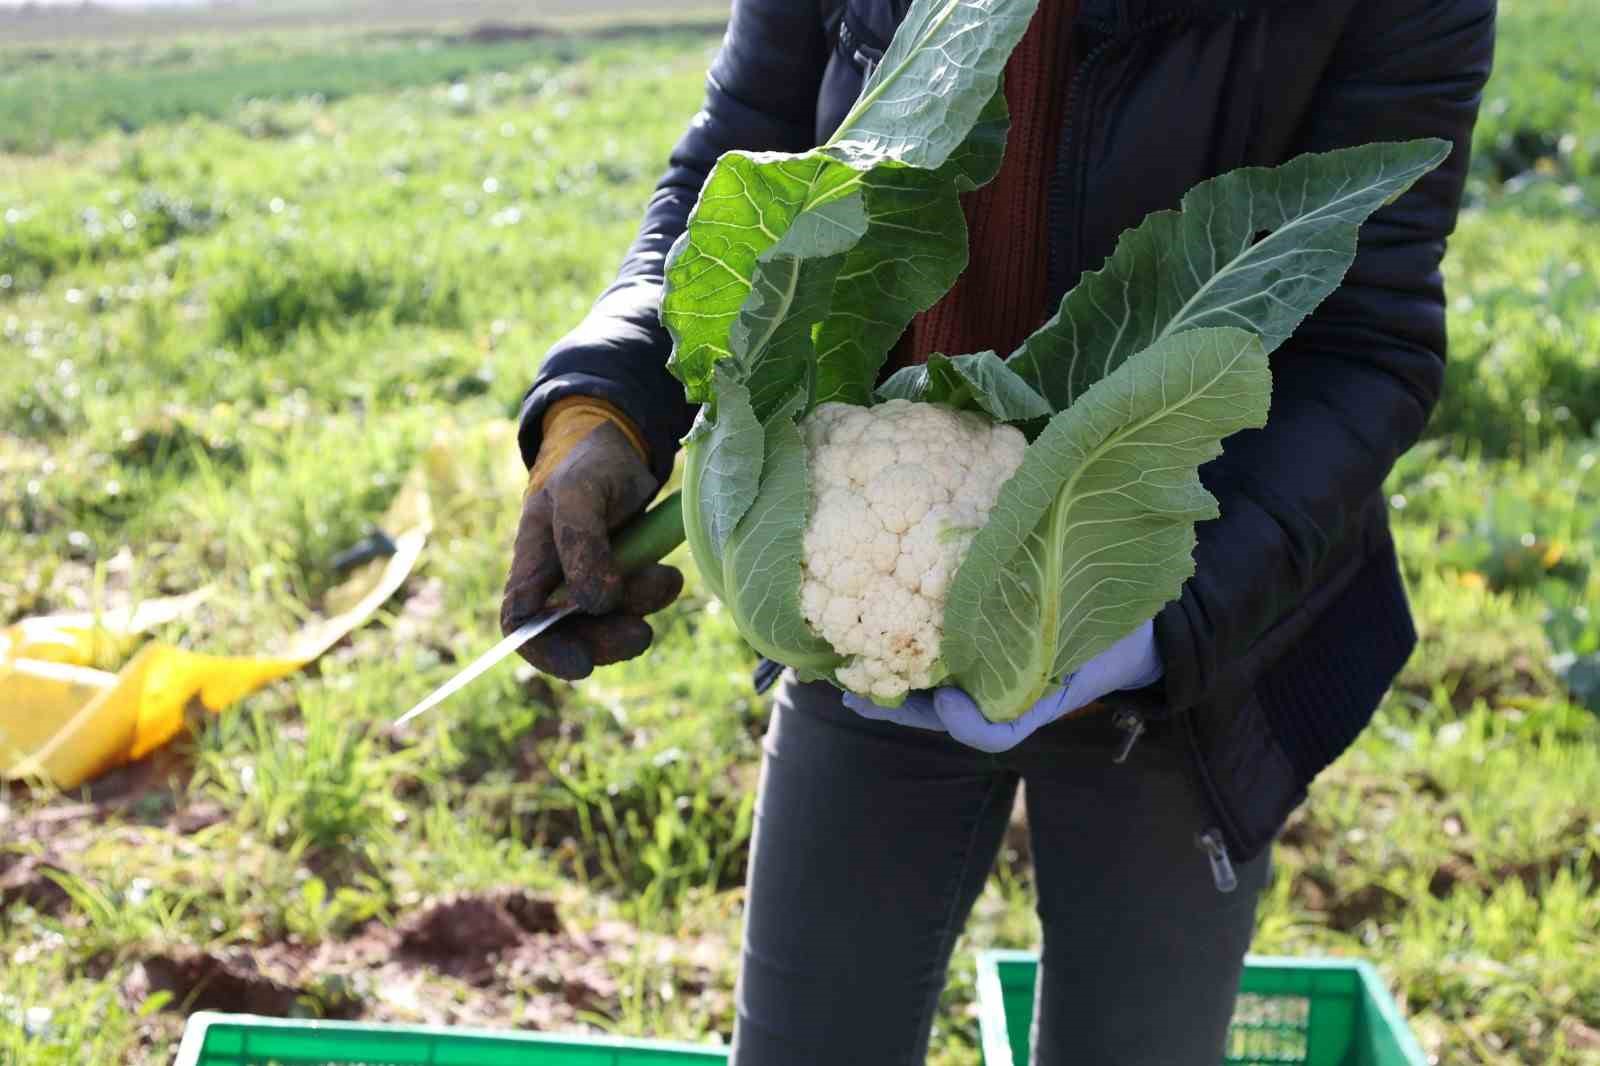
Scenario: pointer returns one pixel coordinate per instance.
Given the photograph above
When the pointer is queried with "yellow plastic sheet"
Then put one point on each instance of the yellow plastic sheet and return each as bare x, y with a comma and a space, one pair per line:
66, 723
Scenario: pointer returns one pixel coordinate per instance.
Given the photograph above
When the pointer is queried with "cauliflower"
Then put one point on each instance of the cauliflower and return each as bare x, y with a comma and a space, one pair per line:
897, 492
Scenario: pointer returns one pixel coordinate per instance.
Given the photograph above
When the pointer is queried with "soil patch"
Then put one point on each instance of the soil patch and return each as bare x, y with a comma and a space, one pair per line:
1580, 1037
29, 881
145, 791
198, 816
499, 959
495, 32
462, 935
1367, 902
1457, 870
231, 982
1345, 910
1300, 831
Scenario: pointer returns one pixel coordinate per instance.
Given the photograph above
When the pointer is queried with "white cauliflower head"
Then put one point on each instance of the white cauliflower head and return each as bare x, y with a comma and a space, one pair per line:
897, 492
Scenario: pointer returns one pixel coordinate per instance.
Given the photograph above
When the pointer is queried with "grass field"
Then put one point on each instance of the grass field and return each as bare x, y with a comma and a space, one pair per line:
229, 327
69, 24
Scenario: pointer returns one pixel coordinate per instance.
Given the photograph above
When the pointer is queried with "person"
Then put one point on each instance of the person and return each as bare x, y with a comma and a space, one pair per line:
1156, 779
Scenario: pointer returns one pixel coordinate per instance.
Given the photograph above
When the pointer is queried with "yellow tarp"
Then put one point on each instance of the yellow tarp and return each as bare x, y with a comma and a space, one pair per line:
66, 723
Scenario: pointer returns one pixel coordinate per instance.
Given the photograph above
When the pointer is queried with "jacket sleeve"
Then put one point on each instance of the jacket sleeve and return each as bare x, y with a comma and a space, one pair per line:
761, 95
1353, 387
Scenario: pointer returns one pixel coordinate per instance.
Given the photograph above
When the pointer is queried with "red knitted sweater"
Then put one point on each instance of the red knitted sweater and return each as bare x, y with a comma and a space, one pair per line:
1000, 298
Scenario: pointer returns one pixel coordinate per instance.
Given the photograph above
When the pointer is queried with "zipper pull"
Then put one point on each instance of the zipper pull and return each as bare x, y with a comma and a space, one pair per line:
1131, 724
1222, 873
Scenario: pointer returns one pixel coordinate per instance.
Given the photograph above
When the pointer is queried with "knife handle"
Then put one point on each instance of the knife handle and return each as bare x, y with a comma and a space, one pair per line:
645, 540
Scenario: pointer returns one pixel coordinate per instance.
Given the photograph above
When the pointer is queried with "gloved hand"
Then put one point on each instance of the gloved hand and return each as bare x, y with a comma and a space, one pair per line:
589, 478
1131, 662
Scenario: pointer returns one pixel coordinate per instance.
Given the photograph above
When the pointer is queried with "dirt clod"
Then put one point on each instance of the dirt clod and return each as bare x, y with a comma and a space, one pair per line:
533, 914
29, 881
1452, 872
1314, 890
206, 981
1367, 902
1302, 832
462, 935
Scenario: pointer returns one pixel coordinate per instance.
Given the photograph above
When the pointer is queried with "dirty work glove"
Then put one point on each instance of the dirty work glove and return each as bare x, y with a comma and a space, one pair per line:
1131, 662
589, 478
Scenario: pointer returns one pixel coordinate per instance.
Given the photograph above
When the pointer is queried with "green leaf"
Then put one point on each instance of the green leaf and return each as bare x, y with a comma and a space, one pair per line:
1203, 266
154, 1003
792, 289
314, 893
914, 249
1095, 530
760, 566
725, 455
978, 158
756, 268
742, 246
934, 80
980, 382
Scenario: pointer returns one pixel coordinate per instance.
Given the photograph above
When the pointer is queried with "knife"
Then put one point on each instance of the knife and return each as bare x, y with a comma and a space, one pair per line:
646, 540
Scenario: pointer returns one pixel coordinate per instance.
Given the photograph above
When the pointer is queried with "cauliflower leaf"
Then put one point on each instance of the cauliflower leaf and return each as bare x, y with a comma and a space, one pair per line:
744, 281
853, 237
1203, 265
1095, 531
981, 381
928, 91
760, 563
913, 250
723, 470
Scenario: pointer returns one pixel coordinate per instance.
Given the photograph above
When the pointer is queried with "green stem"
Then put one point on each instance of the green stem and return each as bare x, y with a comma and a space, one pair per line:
648, 538
645, 540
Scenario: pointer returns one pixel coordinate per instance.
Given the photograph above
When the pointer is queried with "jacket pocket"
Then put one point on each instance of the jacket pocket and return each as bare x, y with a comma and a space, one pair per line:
1249, 781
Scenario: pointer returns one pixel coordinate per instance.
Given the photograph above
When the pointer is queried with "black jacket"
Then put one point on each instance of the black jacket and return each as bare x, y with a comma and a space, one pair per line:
1296, 620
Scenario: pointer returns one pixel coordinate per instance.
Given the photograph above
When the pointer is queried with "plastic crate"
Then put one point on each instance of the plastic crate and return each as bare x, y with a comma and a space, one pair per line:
245, 1040
1315, 1012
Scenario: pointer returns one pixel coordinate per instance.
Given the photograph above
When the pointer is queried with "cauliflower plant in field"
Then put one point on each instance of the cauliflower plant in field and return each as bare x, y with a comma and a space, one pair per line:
897, 492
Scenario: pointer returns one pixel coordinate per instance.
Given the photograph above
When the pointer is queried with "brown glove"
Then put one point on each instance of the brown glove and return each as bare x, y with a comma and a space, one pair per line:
589, 478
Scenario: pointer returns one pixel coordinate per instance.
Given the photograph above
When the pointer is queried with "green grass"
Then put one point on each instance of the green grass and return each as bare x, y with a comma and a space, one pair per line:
1540, 114
67, 94
227, 335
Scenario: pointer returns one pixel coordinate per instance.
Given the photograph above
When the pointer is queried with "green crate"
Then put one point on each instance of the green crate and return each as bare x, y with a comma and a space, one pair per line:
1314, 1012
245, 1040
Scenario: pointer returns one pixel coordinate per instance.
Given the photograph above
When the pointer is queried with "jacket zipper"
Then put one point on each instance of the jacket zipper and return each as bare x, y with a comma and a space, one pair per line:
1214, 839
1211, 840
1071, 193
1132, 725
865, 56
1222, 872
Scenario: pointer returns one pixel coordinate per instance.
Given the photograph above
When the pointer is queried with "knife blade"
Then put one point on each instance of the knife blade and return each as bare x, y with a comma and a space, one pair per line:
481, 665
647, 539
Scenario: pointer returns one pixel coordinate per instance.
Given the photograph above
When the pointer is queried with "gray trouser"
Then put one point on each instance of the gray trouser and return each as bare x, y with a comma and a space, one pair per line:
873, 841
